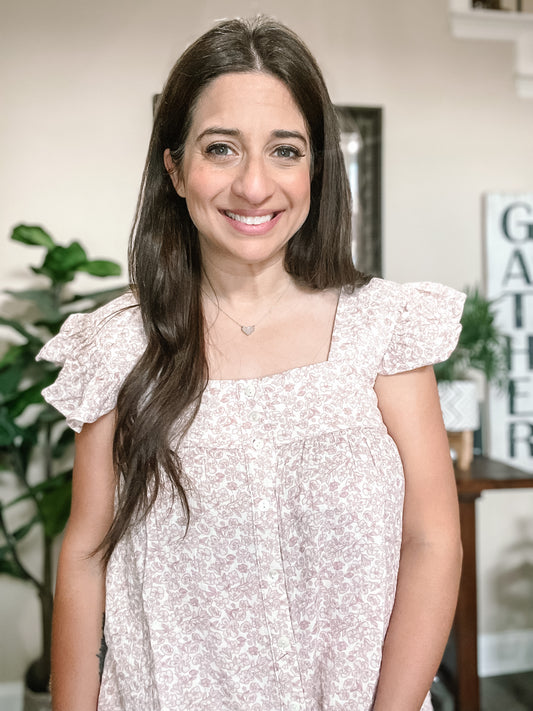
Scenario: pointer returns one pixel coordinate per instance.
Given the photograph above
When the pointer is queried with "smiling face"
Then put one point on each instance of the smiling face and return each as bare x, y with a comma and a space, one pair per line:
245, 172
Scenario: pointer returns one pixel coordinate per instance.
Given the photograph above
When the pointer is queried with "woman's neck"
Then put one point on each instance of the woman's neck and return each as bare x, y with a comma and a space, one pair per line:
245, 286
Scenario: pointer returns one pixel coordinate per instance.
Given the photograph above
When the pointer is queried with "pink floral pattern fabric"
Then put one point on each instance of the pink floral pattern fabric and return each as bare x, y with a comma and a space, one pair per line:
279, 596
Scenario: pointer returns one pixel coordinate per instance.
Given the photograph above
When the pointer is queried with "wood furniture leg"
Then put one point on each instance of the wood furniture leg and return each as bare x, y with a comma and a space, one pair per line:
463, 445
467, 694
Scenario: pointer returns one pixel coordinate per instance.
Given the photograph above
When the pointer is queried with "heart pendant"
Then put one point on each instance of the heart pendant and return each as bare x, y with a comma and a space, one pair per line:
247, 330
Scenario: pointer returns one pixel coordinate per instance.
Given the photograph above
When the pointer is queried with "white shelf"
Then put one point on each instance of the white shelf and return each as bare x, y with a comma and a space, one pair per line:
498, 25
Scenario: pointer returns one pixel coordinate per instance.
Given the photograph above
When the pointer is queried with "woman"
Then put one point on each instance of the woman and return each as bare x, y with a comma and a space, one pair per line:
257, 407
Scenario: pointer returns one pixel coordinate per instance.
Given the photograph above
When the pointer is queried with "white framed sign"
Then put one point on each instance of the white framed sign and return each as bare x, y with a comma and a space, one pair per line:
508, 229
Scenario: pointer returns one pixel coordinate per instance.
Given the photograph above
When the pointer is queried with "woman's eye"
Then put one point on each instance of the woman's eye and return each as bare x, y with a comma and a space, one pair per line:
288, 152
219, 149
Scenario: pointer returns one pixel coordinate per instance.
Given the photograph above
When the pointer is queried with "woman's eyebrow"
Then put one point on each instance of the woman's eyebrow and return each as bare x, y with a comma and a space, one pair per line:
219, 131
282, 133
278, 133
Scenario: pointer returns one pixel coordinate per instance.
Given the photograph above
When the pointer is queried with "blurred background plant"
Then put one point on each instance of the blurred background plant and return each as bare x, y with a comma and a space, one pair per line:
481, 345
35, 443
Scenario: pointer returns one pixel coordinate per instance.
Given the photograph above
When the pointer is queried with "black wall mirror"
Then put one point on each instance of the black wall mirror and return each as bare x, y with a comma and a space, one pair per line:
361, 144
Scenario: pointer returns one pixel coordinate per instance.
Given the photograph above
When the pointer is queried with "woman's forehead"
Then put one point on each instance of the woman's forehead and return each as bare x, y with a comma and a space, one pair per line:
247, 101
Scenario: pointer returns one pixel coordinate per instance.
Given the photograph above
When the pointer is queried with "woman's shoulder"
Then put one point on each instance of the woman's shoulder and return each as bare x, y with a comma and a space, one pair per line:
407, 325
385, 290
117, 323
96, 350
114, 316
391, 300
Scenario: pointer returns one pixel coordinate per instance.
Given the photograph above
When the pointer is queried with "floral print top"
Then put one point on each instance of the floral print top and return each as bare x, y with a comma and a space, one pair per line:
278, 597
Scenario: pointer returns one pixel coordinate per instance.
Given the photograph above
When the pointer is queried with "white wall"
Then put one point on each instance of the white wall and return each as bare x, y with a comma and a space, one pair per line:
505, 559
76, 81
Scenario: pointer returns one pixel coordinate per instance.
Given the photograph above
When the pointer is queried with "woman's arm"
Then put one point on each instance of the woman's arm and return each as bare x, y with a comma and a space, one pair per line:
430, 560
80, 588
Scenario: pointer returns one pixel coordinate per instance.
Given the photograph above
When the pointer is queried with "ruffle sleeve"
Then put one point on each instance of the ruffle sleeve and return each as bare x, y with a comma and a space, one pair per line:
96, 352
426, 329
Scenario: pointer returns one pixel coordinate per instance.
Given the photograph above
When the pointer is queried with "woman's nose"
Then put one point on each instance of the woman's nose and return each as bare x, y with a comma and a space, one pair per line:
253, 181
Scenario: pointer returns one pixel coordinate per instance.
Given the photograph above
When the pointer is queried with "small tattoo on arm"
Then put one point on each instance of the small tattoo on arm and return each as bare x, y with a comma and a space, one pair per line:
103, 649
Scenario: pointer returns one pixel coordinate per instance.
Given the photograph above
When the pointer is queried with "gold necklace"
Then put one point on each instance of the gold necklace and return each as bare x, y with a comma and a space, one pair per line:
247, 330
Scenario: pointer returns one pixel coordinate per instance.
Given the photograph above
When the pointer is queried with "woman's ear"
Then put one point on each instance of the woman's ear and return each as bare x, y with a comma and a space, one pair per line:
173, 172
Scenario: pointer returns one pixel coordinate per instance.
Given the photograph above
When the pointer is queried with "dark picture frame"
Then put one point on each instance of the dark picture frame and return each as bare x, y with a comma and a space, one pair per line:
361, 143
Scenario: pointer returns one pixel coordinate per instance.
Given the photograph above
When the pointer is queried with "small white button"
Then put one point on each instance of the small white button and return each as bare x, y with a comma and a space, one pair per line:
273, 573
295, 706
284, 643
255, 415
258, 444
263, 505
249, 391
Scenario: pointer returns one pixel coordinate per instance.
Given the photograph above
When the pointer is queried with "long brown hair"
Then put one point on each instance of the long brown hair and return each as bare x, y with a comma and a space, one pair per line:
161, 395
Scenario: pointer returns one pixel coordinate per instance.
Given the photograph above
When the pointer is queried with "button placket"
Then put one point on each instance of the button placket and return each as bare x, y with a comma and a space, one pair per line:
263, 481
262, 461
251, 411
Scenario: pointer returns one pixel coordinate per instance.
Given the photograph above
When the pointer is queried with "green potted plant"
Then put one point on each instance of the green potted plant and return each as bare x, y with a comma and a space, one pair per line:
35, 444
482, 348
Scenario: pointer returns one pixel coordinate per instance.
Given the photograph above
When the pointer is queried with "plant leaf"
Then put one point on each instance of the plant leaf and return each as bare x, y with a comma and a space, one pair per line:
44, 299
65, 441
99, 297
42, 489
49, 415
29, 294
6, 462
14, 354
10, 378
9, 567
53, 483
29, 396
18, 327
33, 235
19, 534
9, 431
28, 440
54, 508
101, 268
61, 263
480, 347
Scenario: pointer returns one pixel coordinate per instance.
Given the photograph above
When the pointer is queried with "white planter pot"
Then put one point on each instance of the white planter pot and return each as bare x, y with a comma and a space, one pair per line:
14, 696
459, 405
36, 702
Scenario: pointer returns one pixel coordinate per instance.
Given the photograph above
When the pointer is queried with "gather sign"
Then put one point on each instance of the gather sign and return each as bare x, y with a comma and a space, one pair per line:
508, 229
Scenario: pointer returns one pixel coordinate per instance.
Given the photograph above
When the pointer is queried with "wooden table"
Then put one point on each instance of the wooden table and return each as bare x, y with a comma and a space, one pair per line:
483, 474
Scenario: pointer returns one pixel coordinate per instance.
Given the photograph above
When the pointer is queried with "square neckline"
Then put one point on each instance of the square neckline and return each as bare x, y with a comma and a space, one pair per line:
341, 301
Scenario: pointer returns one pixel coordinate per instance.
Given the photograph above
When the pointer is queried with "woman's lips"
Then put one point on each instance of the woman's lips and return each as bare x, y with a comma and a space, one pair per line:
250, 219
252, 223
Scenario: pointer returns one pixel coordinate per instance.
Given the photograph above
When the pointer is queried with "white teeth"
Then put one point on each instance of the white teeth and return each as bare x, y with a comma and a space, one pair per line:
250, 220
